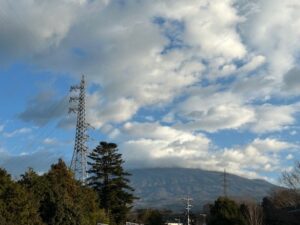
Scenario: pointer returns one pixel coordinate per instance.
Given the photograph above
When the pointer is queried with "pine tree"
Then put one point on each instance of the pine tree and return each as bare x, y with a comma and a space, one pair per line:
111, 182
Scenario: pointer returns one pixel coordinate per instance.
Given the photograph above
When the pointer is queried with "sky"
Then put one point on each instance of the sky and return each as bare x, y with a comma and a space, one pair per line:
208, 84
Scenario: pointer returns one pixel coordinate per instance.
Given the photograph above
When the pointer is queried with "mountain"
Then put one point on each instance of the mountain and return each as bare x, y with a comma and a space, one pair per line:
166, 187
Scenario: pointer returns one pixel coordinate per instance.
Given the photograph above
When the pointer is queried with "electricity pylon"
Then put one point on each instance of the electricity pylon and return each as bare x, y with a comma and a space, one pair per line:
79, 158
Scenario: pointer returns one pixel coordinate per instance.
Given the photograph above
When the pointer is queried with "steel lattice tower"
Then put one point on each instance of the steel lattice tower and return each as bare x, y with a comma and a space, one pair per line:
79, 158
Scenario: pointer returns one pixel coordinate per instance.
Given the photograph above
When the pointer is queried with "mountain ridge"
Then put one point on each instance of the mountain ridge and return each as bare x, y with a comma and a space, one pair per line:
166, 187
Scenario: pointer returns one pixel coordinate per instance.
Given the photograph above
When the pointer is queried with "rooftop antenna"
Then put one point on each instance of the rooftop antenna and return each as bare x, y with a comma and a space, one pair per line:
79, 158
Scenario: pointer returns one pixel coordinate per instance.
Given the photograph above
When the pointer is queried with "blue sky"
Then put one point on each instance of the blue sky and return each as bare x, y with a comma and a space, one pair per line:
208, 84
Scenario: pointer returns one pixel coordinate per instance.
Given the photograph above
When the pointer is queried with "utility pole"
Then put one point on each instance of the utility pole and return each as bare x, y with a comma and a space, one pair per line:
188, 209
79, 158
225, 185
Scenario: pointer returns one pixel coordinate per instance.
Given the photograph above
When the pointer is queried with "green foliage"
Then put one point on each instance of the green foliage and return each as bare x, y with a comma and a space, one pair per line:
59, 204
60, 199
91, 213
150, 217
110, 181
16, 205
225, 212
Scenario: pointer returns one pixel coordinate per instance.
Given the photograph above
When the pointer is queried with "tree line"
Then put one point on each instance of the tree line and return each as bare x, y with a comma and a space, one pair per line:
57, 198
281, 207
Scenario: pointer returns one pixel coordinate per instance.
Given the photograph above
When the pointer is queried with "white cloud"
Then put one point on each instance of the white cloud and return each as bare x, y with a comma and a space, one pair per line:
24, 130
29, 28
119, 46
207, 65
253, 63
1, 128
151, 145
157, 131
273, 37
261, 155
211, 27
219, 118
289, 157
50, 141
271, 145
211, 111
107, 40
101, 112
271, 118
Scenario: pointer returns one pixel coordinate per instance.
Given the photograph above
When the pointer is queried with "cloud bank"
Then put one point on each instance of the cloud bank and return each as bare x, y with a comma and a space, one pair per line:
198, 68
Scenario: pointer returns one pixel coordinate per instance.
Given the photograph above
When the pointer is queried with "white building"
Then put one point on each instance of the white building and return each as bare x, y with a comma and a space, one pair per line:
174, 223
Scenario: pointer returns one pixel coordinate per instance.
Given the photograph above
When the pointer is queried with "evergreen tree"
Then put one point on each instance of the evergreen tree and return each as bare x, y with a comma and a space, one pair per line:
89, 208
59, 204
16, 205
225, 212
61, 199
111, 182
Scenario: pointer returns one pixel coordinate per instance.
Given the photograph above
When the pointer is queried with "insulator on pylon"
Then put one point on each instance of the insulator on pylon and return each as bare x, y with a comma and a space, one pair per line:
73, 110
74, 88
73, 99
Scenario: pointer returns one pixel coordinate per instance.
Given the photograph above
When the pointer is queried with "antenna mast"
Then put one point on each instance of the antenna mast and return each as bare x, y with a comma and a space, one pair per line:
188, 209
79, 158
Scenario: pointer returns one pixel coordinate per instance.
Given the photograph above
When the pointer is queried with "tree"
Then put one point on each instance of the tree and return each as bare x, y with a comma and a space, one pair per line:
89, 207
59, 205
292, 179
274, 215
16, 205
110, 181
35, 185
155, 218
225, 212
61, 199
282, 207
285, 198
253, 213
289, 197
150, 217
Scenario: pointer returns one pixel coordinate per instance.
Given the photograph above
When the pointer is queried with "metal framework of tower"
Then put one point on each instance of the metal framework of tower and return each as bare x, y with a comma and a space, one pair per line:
188, 209
79, 158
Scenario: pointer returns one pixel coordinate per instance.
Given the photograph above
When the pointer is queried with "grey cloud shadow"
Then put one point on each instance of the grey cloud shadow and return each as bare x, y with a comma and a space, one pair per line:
43, 108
